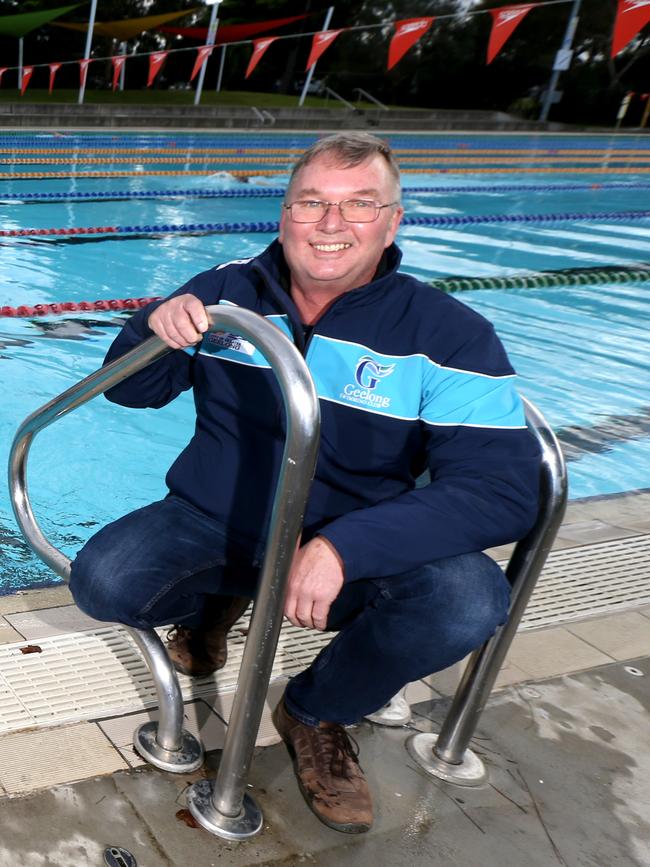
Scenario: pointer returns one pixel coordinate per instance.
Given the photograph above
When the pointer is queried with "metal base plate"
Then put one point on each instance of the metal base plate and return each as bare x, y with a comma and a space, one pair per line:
188, 758
470, 772
247, 824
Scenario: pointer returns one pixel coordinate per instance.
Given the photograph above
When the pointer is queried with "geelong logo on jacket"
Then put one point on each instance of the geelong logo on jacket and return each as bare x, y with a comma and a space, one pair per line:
368, 374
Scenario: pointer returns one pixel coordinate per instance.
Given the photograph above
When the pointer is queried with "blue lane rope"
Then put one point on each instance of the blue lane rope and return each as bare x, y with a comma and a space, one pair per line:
272, 226
276, 192
463, 144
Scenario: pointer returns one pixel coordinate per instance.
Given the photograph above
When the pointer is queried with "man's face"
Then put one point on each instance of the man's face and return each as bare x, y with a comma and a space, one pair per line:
335, 255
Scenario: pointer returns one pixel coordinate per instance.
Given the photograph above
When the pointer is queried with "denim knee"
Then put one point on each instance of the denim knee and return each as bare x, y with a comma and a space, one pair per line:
101, 591
447, 608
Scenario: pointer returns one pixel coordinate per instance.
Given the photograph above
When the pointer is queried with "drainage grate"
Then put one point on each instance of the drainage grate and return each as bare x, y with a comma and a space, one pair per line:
602, 578
99, 673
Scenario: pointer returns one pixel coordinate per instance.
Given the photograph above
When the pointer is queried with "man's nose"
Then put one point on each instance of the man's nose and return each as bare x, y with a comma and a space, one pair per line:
332, 218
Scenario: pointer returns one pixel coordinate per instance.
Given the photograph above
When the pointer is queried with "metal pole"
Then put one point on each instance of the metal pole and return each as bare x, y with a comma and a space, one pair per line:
561, 58
163, 744
646, 113
221, 66
20, 63
305, 88
166, 745
447, 755
212, 32
89, 40
223, 806
124, 47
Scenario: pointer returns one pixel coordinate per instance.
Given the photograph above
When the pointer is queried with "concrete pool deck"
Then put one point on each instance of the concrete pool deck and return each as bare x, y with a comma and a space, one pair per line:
564, 734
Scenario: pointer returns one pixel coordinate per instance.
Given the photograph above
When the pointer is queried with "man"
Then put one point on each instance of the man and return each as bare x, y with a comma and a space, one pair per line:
408, 379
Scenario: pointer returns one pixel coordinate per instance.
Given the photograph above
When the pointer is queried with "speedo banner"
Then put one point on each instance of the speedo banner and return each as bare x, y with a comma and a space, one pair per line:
407, 33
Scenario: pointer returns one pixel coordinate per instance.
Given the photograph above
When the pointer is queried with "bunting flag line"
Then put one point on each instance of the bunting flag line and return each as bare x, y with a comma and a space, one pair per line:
54, 68
202, 56
631, 16
2, 72
504, 21
27, 74
156, 60
83, 70
320, 42
118, 64
259, 47
407, 33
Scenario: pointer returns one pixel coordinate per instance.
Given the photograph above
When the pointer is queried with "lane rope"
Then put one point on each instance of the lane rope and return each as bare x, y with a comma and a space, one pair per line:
272, 225
274, 192
610, 160
296, 151
25, 310
245, 173
539, 280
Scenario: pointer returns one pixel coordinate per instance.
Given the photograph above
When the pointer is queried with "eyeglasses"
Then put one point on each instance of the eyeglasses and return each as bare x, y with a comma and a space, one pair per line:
352, 210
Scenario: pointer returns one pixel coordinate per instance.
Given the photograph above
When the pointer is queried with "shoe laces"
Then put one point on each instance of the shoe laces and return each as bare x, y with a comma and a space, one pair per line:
336, 746
175, 632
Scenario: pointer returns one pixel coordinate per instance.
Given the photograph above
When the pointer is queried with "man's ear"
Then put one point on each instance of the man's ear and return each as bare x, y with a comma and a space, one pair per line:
393, 225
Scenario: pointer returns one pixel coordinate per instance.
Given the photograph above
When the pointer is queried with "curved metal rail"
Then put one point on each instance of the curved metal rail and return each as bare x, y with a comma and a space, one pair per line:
166, 745
447, 755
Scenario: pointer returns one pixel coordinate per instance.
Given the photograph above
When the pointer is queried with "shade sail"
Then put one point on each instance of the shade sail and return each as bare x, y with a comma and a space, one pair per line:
232, 32
129, 28
21, 25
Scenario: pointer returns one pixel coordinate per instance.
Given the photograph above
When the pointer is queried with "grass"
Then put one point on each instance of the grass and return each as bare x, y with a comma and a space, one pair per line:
172, 97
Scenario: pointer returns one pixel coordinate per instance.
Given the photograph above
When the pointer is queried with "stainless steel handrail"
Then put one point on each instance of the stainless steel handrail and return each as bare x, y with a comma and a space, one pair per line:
447, 755
169, 744
173, 748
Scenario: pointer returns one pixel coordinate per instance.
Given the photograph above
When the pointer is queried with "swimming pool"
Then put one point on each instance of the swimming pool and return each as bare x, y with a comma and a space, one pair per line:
582, 352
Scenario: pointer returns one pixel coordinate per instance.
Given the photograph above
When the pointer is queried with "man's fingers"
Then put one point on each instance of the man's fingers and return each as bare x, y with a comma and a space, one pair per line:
180, 322
319, 615
197, 314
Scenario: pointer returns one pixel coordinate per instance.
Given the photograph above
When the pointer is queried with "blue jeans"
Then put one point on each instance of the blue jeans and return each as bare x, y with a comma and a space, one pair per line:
162, 563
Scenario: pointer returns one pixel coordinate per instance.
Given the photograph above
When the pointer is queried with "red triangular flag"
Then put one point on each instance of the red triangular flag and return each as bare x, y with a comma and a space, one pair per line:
54, 68
83, 71
259, 47
631, 16
203, 53
156, 60
118, 63
27, 74
320, 42
2, 72
407, 33
504, 21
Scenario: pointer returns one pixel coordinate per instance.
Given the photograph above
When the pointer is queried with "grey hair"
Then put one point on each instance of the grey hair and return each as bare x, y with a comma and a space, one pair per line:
349, 149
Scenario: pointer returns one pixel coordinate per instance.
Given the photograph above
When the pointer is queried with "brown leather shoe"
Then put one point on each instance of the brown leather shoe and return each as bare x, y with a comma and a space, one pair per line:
328, 772
198, 652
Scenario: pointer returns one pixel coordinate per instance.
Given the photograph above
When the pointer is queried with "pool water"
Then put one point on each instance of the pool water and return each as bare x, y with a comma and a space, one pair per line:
582, 353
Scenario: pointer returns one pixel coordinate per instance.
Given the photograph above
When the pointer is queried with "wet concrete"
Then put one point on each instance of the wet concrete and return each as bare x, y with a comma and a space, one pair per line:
569, 785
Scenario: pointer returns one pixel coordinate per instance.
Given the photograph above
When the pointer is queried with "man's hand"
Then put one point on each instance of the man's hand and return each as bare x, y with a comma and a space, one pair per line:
180, 322
315, 580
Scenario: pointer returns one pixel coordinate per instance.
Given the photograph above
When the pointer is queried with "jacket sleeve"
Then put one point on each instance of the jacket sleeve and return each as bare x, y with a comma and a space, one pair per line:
158, 383
484, 466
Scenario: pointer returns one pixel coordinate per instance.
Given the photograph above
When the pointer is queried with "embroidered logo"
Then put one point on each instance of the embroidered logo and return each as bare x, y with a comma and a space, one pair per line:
228, 340
368, 374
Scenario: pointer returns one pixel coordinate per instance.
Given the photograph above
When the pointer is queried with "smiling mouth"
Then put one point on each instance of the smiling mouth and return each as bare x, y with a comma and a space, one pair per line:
331, 248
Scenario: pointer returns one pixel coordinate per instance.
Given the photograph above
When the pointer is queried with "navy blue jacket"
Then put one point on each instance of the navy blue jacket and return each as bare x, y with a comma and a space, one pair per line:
408, 378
